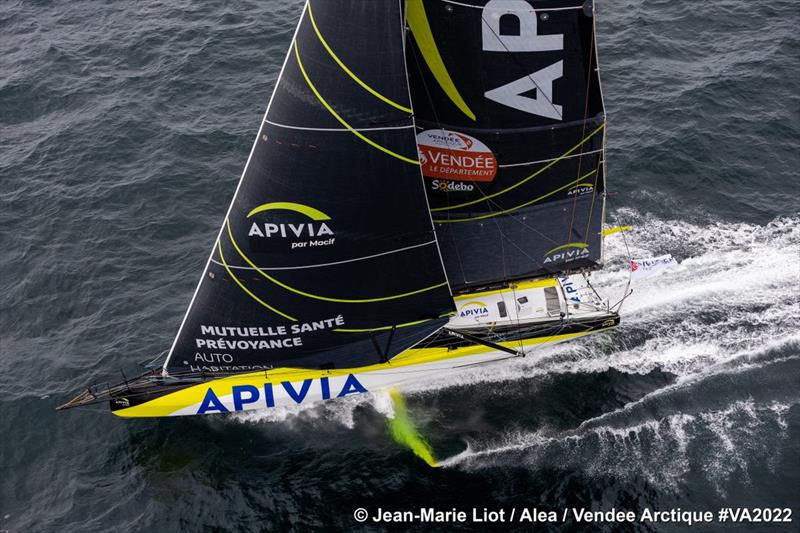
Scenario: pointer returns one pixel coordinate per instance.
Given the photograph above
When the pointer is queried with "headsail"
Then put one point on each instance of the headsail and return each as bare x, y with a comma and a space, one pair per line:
511, 131
327, 257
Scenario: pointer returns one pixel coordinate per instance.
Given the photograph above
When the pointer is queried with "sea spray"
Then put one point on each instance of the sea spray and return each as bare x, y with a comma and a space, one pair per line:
404, 432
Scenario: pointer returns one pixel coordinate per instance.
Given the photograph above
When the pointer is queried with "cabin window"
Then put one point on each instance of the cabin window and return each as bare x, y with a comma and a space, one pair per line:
551, 301
501, 307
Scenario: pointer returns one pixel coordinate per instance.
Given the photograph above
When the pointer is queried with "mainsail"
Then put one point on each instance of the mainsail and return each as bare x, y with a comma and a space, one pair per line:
327, 257
511, 130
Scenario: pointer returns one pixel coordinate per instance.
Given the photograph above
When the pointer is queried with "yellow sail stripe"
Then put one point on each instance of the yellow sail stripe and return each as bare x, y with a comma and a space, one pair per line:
382, 328
245, 289
526, 204
418, 23
316, 296
310, 212
350, 72
341, 120
568, 245
525, 180
616, 229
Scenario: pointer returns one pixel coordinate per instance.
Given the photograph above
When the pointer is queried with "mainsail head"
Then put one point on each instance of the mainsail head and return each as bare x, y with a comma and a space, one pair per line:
511, 130
327, 257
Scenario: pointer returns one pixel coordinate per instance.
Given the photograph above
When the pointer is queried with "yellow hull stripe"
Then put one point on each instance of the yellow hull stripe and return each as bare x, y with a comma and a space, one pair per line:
511, 210
245, 289
418, 22
536, 284
170, 403
316, 296
350, 72
341, 120
525, 180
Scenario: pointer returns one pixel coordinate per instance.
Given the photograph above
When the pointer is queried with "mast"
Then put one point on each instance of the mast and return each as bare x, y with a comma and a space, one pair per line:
327, 257
511, 131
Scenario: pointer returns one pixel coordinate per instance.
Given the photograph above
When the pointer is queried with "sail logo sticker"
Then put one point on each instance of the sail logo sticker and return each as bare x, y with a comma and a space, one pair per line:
581, 189
301, 234
644, 268
567, 253
451, 186
451, 155
474, 309
570, 290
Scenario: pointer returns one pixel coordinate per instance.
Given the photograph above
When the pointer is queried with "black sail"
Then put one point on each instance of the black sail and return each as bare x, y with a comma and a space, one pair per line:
328, 256
511, 128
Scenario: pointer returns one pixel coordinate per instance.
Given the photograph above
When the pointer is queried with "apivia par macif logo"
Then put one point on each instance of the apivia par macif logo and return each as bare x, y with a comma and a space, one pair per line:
301, 225
566, 253
580, 189
473, 309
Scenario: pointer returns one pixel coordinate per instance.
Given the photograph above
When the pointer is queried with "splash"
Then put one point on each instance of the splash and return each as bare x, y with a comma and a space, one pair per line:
404, 432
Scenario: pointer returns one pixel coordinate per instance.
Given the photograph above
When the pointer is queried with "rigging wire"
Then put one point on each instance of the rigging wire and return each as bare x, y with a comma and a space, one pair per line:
601, 158
583, 133
628, 291
438, 123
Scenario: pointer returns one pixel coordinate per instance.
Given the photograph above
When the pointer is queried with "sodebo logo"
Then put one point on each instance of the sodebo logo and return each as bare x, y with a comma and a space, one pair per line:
451, 186
302, 234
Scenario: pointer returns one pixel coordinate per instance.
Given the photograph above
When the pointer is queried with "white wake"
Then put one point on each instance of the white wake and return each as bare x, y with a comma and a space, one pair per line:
734, 299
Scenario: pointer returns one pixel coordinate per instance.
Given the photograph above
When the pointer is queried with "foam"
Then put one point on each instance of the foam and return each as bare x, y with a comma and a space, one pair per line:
731, 307
737, 268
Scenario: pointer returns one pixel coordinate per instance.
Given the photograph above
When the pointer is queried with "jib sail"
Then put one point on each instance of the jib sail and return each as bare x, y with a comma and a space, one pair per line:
327, 257
510, 127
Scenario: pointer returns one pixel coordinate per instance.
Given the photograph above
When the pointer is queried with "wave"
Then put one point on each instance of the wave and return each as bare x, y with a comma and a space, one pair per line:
726, 420
721, 443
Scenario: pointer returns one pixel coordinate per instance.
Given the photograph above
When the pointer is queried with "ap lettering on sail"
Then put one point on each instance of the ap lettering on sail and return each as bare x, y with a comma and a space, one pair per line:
527, 40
